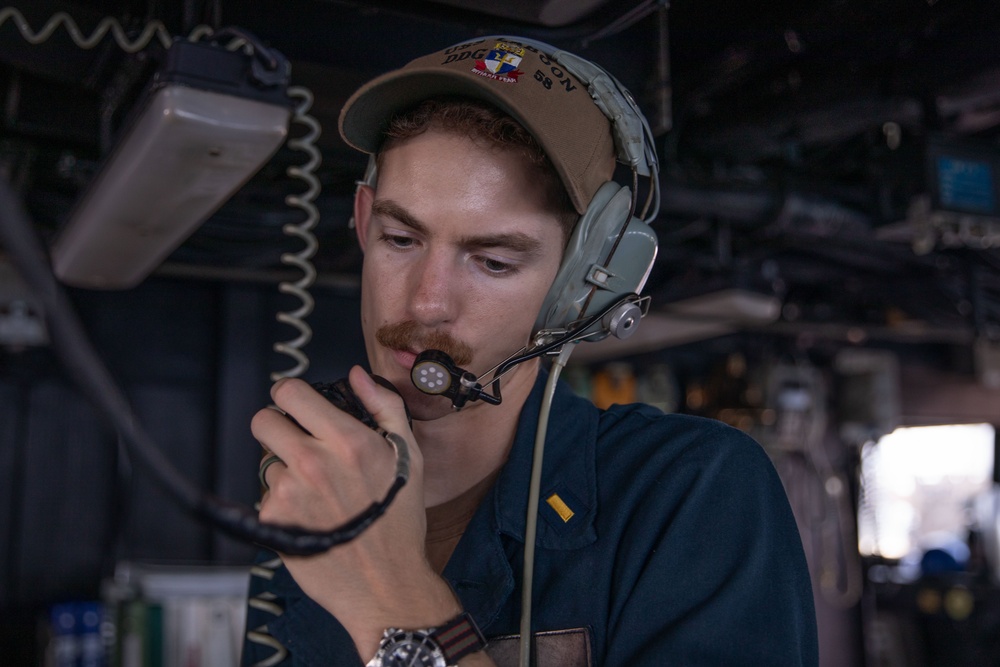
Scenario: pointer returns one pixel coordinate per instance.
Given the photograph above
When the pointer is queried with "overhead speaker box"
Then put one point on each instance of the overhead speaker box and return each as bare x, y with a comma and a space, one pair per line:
202, 128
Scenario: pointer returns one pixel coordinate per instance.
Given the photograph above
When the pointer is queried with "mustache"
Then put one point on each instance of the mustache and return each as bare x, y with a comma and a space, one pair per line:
409, 336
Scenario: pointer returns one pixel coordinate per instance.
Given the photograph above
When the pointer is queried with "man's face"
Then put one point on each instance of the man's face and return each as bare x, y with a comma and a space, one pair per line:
459, 254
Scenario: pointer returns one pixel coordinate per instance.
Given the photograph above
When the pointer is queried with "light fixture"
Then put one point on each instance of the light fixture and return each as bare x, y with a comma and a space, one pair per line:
210, 118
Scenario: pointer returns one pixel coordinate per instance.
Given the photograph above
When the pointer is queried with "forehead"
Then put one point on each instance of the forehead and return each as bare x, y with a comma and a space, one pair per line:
440, 175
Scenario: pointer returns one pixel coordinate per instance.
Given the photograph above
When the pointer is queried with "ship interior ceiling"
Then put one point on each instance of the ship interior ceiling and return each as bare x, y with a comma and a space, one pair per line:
829, 225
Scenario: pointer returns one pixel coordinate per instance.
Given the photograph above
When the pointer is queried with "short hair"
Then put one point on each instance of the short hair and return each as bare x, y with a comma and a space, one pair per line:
481, 121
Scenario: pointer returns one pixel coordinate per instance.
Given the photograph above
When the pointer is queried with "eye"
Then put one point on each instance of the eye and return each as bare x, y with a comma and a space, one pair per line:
497, 267
398, 241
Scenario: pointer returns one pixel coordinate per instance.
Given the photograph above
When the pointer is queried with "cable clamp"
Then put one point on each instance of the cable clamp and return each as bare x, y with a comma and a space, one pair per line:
603, 278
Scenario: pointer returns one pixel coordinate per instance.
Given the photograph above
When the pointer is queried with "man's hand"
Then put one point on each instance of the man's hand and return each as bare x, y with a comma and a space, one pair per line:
327, 476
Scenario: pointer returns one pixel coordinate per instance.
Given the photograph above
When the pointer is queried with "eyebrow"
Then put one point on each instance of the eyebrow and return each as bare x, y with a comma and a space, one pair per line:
514, 241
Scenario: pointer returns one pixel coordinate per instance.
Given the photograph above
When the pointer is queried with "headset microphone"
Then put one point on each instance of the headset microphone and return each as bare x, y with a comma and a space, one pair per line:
434, 372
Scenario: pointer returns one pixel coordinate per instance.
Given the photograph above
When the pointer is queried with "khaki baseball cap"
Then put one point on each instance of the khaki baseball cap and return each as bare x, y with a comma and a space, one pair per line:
517, 77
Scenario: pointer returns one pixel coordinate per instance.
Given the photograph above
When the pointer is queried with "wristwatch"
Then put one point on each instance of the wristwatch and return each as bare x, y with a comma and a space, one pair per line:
442, 646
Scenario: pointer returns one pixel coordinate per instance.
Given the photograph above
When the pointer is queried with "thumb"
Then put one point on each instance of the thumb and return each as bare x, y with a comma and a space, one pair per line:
384, 404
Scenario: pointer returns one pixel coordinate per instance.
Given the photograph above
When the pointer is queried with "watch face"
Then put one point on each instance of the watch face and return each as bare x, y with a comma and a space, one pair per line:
411, 649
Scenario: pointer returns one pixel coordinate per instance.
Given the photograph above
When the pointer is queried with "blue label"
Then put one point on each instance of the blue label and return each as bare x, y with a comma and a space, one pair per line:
965, 184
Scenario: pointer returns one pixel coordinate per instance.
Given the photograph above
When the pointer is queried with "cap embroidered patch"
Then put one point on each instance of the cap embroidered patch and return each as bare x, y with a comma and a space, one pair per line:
560, 506
537, 91
501, 63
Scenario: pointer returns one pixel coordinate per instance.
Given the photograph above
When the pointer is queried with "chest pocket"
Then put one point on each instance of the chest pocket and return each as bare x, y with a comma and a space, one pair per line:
556, 648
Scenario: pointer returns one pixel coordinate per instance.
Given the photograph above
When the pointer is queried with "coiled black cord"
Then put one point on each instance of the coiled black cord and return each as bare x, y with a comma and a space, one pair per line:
85, 367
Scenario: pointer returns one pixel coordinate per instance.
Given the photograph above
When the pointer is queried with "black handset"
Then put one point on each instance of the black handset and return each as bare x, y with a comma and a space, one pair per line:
339, 393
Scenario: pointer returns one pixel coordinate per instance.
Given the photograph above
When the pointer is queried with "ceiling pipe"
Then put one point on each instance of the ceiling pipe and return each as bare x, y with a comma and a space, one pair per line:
730, 204
663, 120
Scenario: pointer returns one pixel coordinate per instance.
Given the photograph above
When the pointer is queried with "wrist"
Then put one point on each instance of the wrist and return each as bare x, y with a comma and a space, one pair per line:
441, 646
420, 605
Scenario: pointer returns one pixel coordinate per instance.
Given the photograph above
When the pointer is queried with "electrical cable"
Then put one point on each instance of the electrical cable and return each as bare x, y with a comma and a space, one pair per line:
304, 201
531, 519
303, 231
153, 30
85, 367
551, 341
265, 601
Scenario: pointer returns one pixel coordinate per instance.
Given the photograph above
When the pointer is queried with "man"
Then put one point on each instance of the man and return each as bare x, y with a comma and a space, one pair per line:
660, 539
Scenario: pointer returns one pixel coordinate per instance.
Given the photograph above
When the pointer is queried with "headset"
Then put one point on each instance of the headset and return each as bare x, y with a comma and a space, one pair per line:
605, 263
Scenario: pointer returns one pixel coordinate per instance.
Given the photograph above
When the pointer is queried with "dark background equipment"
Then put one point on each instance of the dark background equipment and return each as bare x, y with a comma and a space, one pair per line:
828, 178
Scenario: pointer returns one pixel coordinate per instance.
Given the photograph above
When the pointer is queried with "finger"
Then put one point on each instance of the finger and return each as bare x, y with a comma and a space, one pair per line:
311, 410
276, 433
386, 406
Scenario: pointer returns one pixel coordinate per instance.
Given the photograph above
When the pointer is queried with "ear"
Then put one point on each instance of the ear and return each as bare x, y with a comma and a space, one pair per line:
363, 198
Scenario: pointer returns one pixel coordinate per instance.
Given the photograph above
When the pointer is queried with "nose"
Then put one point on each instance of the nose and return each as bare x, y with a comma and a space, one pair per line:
433, 290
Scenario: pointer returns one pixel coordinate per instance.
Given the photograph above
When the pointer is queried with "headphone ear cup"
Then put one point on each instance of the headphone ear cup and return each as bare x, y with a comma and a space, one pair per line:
589, 245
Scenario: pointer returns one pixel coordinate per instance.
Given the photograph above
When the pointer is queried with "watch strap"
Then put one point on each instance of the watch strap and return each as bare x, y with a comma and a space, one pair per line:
458, 638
